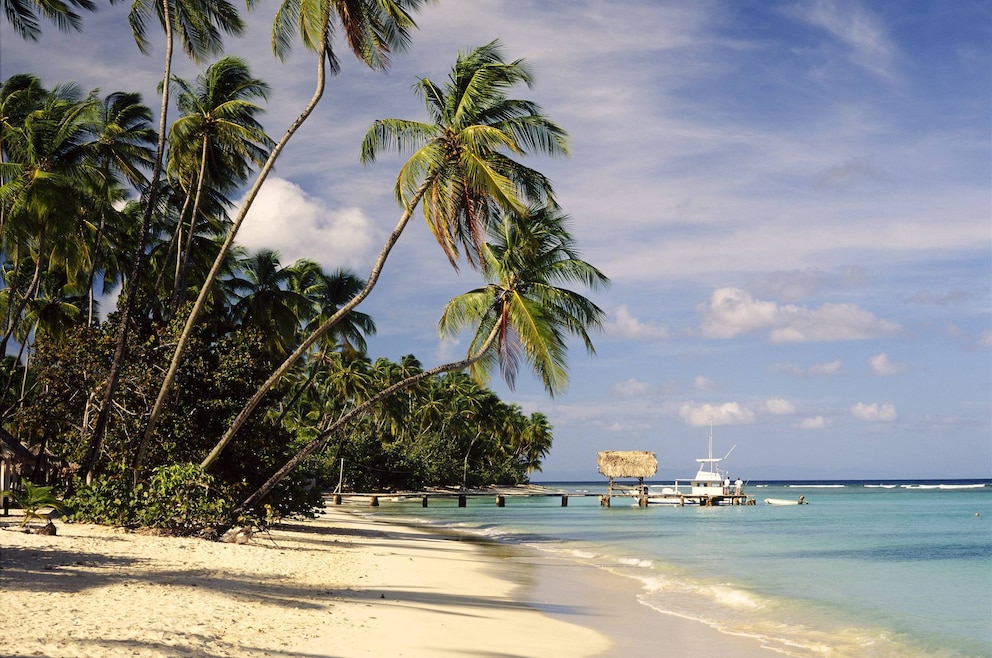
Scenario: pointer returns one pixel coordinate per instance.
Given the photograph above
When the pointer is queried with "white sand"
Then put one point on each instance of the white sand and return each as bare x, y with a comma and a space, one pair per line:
339, 586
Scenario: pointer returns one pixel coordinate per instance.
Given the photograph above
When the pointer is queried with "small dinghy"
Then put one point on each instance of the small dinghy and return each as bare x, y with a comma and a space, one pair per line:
787, 501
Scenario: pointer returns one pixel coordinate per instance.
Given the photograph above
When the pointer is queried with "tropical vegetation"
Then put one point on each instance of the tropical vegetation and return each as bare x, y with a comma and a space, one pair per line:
223, 385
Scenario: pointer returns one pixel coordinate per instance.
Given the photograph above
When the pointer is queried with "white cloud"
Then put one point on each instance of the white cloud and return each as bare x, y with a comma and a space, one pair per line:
448, 349
779, 407
874, 412
985, 340
626, 325
732, 312
701, 383
881, 365
813, 423
631, 388
702, 415
297, 225
108, 303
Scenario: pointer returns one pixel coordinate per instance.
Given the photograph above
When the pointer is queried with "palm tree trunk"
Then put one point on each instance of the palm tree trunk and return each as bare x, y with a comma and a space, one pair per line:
95, 447
175, 243
465, 463
19, 308
320, 331
326, 435
91, 277
201, 299
10, 382
12, 284
182, 257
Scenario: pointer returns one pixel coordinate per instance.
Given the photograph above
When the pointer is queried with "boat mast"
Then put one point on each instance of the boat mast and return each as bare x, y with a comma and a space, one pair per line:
709, 453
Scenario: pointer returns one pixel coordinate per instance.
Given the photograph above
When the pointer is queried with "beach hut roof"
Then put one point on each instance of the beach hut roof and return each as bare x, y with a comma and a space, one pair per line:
11, 449
627, 464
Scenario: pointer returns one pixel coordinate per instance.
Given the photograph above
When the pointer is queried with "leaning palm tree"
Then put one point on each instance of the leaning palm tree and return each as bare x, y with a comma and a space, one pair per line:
198, 24
462, 167
374, 29
521, 312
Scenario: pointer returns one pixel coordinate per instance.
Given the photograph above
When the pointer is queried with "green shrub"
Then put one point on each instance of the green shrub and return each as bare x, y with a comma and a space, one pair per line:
109, 500
183, 499
180, 498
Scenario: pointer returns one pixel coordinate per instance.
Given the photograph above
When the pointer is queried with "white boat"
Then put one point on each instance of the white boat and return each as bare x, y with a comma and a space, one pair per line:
787, 501
711, 486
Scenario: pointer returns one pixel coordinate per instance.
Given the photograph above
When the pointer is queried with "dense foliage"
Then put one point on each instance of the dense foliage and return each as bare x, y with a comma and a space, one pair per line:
180, 408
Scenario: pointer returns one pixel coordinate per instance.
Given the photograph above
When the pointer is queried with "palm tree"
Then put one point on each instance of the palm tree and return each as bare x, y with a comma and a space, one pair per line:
46, 170
214, 141
373, 29
198, 24
524, 260
462, 165
22, 15
462, 155
534, 442
267, 302
19, 95
120, 147
329, 292
520, 310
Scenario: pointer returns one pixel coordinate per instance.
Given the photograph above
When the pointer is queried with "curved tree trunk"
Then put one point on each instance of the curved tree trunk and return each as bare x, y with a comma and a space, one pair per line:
326, 435
113, 377
317, 333
182, 255
201, 299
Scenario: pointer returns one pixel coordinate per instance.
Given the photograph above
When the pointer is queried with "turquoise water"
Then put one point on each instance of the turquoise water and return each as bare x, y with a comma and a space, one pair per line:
900, 569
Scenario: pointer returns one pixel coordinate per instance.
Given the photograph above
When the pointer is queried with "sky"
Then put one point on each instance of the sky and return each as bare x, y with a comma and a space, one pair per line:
793, 201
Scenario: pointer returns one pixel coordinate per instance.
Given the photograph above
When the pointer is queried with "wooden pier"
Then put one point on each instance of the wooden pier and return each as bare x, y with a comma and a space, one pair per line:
616, 465
500, 498
643, 497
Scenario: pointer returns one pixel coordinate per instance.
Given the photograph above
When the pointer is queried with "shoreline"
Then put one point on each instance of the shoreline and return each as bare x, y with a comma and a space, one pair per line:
342, 585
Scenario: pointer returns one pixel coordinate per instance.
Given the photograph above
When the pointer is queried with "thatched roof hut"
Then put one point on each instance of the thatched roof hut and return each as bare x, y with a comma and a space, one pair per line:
13, 457
12, 451
627, 464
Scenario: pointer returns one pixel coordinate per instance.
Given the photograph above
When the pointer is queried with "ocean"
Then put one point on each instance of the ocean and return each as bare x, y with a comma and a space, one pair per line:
879, 569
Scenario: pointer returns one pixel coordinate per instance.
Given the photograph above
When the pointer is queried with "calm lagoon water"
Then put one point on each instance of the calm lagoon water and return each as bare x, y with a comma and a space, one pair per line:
867, 569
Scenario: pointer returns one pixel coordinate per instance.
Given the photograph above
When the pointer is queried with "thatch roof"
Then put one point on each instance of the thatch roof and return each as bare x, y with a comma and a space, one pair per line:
627, 464
11, 449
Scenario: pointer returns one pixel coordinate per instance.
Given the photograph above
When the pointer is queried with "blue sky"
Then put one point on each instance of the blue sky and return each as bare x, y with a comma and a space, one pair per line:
792, 199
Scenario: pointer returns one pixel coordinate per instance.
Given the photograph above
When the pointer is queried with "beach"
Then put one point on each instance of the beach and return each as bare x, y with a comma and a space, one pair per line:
340, 585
